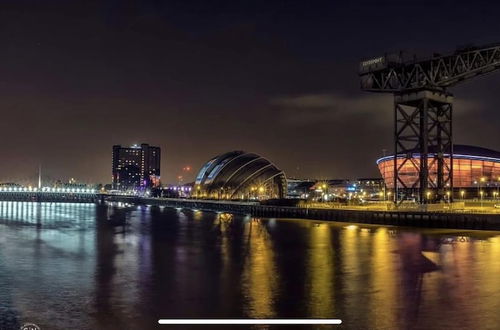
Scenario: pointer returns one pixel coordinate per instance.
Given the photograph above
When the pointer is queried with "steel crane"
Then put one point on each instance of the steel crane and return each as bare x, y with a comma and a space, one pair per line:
423, 112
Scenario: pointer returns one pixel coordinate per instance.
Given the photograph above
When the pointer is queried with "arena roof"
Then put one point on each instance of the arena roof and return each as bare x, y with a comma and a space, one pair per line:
463, 151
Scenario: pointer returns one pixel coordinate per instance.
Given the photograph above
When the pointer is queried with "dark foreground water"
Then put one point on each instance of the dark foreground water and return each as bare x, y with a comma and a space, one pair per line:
75, 266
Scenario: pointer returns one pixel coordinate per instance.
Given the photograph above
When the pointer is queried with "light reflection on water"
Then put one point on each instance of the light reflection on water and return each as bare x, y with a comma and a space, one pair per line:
83, 266
260, 277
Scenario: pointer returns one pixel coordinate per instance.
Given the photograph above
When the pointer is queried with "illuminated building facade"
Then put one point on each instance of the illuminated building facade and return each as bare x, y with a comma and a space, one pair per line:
473, 167
174, 191
240, 175
299, 188
136, 167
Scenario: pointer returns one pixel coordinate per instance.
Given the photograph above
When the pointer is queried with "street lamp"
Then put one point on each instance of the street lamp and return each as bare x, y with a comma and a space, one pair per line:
482, 179
462, 194
475, 182
261, 192
428, 195
324, 192
498, 188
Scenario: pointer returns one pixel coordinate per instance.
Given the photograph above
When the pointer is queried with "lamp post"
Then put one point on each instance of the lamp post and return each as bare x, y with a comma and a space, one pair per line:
481, 193
462, 194
428, 194
476, 183
498, 188
261, 192
482, 179
324, 192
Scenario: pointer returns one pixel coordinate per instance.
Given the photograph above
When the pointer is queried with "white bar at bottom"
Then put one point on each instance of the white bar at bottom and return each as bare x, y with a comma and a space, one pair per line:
248, 321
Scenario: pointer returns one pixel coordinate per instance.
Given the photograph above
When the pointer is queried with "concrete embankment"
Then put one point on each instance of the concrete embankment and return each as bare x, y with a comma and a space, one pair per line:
399, 218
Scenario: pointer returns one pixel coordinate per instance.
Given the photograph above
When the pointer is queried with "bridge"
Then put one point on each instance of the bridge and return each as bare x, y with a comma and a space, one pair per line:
47, 194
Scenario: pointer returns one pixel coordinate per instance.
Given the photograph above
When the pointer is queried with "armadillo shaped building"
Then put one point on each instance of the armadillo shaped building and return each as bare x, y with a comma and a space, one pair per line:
240, 175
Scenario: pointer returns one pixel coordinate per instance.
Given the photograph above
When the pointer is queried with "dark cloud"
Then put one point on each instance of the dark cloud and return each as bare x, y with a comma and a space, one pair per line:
306, 110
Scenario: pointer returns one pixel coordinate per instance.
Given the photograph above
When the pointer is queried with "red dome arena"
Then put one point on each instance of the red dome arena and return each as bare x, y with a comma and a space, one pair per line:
472, 167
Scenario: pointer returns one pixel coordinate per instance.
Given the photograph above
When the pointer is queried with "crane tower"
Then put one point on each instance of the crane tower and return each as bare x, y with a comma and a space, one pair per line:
423, 109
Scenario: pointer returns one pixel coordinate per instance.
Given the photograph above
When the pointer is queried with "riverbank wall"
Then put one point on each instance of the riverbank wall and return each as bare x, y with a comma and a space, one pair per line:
453, 220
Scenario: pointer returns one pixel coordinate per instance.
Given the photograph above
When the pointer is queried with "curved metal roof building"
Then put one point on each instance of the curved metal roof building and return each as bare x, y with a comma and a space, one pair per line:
240, 175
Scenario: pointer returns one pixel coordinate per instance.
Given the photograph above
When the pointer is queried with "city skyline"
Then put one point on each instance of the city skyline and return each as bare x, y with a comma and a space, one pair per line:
198, 79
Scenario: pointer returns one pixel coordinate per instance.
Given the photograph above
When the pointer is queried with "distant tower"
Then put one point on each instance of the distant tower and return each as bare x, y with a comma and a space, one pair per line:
40, 176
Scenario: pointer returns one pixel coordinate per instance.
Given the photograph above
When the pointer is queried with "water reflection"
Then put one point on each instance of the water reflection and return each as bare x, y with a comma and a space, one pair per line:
321, 270
385, 292
260, 277
224, 223
9, 315
107, 250
84, 266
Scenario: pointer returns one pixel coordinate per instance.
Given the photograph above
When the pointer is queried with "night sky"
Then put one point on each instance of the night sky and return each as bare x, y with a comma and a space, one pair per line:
199, 78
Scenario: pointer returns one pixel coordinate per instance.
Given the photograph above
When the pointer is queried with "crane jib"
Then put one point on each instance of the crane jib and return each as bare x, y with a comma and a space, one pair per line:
390, 73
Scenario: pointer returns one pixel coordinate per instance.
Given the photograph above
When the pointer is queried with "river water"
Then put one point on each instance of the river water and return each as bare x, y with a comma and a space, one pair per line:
82, 266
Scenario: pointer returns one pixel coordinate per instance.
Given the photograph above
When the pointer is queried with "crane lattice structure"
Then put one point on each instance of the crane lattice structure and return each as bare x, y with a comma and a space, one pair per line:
423, 138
